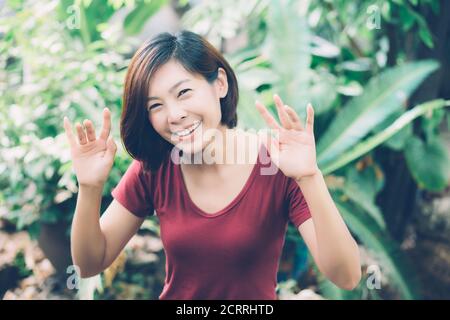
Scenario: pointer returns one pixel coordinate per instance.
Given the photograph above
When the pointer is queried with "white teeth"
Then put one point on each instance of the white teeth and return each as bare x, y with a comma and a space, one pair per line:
189, 130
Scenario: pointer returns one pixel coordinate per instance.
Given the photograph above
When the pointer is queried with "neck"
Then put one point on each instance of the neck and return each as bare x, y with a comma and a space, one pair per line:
227, 147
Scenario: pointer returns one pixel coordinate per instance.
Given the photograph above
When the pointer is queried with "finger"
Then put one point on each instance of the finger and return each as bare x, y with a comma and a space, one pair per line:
81, 134
294, 117
89, 129
69, 132
310, 118
106, 128
284, 117
270, 120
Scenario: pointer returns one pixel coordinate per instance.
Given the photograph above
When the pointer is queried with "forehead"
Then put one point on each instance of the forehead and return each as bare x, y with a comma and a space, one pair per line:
167, 75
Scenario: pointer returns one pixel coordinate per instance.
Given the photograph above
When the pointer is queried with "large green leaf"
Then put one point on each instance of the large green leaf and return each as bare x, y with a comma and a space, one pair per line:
361, 188
372, 142
428, 163
288, 46
136, 19
252, 73
322, 92
248, 115
251, 79
393, 263
89, 14
384, 95
398, 140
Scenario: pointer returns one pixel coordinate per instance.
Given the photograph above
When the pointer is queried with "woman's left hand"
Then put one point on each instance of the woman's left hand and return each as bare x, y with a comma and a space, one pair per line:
294, 152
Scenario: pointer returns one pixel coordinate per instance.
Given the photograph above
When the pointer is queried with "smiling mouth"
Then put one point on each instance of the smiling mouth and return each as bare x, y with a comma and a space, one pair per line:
187, 132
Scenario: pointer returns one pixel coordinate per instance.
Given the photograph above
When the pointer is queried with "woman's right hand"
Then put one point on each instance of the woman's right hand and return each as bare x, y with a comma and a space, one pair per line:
92, 157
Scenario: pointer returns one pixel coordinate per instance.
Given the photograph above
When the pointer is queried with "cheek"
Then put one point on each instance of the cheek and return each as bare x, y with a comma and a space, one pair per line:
209, 106
157, 122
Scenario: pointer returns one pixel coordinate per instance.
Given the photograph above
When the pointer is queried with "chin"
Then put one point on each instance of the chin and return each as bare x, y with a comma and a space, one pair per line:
192, 147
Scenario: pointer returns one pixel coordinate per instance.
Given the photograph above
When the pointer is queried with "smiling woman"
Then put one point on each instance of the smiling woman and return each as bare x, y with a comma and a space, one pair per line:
169, 75
222, 225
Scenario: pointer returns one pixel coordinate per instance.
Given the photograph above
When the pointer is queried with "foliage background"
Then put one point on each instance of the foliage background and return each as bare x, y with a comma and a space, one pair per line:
374, 70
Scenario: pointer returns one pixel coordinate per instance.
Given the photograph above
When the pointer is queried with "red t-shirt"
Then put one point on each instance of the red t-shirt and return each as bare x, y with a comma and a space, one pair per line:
231, 254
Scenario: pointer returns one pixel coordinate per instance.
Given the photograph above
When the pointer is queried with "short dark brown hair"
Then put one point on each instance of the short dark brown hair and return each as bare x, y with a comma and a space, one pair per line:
197, 56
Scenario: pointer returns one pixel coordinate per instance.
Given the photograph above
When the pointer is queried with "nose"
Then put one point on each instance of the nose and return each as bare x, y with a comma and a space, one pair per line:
175, 114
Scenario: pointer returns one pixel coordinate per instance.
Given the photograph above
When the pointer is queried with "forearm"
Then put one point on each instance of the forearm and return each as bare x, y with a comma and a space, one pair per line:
338, 252
87, 240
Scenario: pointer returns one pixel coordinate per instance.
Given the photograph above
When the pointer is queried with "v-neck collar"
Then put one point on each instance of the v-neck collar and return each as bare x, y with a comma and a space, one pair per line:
229, 206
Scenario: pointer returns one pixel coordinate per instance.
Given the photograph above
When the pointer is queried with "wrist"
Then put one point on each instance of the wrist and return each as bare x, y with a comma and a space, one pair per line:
311, 176
91, 187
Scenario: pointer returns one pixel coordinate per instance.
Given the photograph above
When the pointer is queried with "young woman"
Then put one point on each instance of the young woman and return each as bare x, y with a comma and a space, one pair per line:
223, 223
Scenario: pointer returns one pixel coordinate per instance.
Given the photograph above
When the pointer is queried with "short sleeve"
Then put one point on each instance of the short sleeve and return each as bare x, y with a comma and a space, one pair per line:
133, 191
297, 206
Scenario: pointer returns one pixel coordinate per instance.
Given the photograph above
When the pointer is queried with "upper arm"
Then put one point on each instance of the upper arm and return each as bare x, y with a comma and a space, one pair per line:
118, 226
308, 233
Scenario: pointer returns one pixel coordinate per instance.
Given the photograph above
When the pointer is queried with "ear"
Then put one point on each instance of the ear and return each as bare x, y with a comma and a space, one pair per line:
222, 83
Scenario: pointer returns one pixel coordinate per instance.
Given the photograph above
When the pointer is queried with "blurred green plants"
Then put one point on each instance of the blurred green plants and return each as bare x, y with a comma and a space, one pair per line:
70, 57
47, 73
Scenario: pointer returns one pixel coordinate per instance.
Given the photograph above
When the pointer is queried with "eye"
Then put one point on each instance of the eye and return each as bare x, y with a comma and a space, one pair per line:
153, 106
183, 91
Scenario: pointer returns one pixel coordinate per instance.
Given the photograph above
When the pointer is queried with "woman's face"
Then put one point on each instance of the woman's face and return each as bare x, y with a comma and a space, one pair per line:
182, 107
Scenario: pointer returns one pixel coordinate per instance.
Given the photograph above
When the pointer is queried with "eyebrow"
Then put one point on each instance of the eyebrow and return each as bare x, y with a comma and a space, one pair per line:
171, 89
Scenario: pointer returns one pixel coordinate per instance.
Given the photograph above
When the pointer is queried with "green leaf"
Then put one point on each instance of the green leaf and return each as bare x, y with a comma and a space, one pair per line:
384, 95
323, 93
406, 17
34, 230
248, 115
372, 142
391, 258
435, 6
361, 187
323, 48
19, 262
253, 78
288, 46
353, 88
430, 123
84, 25
398, 140
136, 19
428, 162
425, 35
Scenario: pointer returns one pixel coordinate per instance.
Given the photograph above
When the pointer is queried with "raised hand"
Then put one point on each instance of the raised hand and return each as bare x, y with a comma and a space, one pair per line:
92, 157
294, 151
